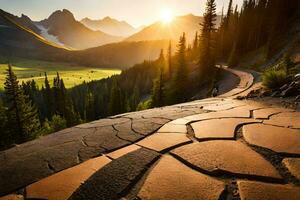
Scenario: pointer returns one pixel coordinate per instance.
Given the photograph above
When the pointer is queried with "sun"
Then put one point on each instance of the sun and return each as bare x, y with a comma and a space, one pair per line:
166, 16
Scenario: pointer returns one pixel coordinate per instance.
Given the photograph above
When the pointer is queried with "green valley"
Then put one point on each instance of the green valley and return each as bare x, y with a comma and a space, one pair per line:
72, 74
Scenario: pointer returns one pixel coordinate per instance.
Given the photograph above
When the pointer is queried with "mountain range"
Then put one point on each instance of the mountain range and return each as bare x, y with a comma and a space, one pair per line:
72, 33
61, 37
110, 26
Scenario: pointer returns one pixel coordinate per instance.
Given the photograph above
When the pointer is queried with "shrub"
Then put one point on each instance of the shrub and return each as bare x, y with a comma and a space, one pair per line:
274, 78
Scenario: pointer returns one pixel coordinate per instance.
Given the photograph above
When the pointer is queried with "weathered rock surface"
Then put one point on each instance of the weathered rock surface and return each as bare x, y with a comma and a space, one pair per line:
113, 180
289, 119
219, 128
257, 191
267, 112
121, 152
63, 184
226, 157
171, 179
278, 139
162, 141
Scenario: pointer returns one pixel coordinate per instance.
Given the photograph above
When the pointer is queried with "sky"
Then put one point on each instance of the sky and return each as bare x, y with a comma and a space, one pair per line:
135, 12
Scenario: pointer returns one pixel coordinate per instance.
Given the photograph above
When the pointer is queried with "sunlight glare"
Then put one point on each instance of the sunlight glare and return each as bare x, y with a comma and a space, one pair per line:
166, 16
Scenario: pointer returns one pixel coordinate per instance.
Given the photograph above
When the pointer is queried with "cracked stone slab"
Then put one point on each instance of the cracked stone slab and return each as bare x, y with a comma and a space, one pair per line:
233, 113
250, 190
61, 185
163, 141
33, 161
114, 179
288, 119
146, 126
180, 121
267, 112
18, 173
220, 106
170, 179
125, 132
102, 122
121, 152
219, 128
173, 128
47, 142
221, 157
278, 139
105, 137
293, 165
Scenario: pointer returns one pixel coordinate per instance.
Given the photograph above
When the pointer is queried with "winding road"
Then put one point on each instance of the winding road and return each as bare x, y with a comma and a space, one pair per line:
211, 149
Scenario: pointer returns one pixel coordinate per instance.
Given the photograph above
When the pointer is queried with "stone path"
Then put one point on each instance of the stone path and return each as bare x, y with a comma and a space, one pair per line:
216, 149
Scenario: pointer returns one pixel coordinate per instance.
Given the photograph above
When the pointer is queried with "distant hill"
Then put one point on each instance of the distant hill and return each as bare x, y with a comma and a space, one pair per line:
110, 26
120, 55
189, 24
70, 32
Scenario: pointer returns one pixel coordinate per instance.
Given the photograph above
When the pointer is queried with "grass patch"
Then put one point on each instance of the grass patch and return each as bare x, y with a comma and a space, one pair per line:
274, 79
72, 74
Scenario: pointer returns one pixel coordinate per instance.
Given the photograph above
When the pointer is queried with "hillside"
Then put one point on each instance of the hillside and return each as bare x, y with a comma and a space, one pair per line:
189, 24
110, 26
70, 32
120, 55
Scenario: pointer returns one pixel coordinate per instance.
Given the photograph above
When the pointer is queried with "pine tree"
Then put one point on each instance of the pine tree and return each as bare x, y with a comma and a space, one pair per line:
23, 121
115, 104
135, 98
207, 55
158, 95
179, 86
195, 50
89, 110
170, 64
48, 98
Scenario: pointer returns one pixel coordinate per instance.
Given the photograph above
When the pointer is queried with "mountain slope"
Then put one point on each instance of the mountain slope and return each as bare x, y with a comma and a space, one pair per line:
189, 24
17, 39
110, 26
70, 32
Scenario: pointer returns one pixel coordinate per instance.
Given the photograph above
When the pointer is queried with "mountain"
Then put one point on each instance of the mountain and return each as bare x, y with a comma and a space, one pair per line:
19, 37
189, 24
110, 26
72, 33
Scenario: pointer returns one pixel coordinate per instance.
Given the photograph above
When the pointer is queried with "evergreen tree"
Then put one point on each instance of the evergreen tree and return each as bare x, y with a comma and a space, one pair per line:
115, 103
23, 121
179, 86
207, 54
195, 50
170, 65
89, 110
158, 95
135, 98
48, 98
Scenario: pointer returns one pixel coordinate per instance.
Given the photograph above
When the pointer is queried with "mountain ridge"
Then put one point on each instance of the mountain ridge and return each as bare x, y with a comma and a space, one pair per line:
110, 26
71, 32
190, 24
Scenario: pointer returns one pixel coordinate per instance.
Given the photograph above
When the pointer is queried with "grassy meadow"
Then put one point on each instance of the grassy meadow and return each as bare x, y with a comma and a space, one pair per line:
72, 74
